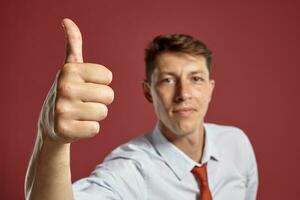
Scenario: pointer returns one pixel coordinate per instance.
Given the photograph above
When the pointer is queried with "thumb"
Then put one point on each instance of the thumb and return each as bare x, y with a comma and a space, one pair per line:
73, 42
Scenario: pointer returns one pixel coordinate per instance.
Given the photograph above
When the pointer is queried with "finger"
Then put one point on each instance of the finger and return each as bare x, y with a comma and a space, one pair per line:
90, 92
86, 92
96, 74
73, 42
85, 129
90, 112
86, 72
77, 110
72, 130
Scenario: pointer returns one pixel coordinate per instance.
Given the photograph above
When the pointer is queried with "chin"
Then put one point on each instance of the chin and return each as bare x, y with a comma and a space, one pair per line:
186, 128
180, 127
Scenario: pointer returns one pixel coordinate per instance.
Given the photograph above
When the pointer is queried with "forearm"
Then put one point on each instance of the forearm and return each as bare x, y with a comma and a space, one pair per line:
75, 104
48, 176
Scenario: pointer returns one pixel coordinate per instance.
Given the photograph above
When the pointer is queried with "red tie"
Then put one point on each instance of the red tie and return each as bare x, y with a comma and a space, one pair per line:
201, 175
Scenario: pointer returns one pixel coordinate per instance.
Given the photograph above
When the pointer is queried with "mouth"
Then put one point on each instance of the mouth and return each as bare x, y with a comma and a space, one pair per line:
184, 112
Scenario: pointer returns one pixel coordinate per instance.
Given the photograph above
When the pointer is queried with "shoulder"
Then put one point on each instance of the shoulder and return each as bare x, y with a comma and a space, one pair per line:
232, 144
227, 134
122, 173
230, 140
127, 162
221, 128
138, 152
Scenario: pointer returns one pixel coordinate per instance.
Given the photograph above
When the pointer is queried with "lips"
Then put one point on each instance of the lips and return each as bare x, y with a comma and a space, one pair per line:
184, 111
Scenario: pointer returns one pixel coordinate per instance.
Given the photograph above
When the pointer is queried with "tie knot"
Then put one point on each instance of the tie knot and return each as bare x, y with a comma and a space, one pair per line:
200, 173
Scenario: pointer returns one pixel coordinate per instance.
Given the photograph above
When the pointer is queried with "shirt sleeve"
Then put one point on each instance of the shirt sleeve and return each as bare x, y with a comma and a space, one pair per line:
252, 172
115, 179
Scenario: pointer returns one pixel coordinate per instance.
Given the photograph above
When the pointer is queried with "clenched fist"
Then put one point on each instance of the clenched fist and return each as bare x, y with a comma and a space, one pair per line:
79, 96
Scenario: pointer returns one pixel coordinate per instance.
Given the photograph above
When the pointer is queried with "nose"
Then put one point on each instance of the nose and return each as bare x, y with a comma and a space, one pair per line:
183, 92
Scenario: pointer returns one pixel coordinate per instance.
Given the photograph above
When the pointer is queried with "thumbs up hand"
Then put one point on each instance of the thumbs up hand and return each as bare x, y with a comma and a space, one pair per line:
79, 96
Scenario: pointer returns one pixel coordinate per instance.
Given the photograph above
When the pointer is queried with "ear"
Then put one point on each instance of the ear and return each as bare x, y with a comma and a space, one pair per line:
212, 86
146, 90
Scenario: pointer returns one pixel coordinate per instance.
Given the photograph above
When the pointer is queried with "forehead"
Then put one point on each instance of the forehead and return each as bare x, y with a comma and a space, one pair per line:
170, 62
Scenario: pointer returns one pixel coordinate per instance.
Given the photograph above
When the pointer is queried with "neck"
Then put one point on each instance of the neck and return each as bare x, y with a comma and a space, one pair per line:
192, 144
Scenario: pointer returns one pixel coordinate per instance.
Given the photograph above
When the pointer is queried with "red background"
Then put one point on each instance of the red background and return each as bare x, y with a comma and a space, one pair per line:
256, 68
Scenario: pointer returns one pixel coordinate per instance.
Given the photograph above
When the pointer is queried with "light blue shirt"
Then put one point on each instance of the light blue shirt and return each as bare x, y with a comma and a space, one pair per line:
151, 168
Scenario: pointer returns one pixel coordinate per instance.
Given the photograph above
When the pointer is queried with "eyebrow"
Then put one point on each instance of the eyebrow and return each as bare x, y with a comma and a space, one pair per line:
190, 73
198, 72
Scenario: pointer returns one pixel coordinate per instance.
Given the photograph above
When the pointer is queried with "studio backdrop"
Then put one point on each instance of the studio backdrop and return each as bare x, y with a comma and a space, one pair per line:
255, 48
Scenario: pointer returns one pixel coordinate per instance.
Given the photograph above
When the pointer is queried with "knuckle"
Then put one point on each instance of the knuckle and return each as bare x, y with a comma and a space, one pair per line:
70, 68
65, 89
61, 108
64, 129
61, 128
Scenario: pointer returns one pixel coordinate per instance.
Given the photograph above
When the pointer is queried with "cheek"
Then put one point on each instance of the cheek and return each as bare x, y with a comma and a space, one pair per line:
162, 101
203, 98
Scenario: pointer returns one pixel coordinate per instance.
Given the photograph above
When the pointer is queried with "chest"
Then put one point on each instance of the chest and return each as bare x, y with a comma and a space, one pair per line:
225, 182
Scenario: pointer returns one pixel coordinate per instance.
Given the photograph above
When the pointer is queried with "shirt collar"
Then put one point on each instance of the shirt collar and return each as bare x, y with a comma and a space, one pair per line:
177, 160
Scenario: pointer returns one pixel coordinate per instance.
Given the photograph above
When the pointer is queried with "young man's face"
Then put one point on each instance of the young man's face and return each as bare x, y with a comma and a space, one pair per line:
180, 91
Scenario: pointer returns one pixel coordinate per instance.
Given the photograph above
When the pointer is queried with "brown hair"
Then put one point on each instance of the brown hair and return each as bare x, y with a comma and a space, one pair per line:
174, 43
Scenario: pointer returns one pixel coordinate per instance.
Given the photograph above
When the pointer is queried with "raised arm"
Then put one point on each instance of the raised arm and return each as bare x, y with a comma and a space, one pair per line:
75, 104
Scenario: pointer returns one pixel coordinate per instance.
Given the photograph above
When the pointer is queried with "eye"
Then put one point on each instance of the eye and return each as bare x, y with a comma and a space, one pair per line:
198, 79
168, 80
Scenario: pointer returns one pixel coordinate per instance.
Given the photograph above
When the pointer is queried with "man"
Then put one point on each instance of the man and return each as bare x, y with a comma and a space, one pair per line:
183, 158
